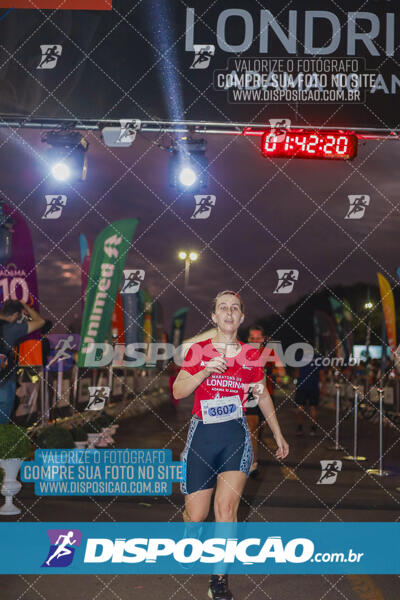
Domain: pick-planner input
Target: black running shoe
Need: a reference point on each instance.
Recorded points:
(313, 431)
(299, 430)
(218, 588)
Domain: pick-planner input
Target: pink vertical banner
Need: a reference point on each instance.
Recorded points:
(17, 262)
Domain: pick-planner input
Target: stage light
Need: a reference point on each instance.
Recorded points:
(67, 154)
(61, 171)
(187, 176)
(182, 255)
(193, 256)
(188, 166)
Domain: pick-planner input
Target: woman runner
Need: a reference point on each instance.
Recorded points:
(218, 449)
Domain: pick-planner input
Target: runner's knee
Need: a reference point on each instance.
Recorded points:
(225, 510)
(195, 515)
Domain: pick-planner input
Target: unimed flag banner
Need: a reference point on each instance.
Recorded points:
(108, 260)
(388, 311)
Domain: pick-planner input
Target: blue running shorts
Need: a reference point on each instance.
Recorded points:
(213, 448)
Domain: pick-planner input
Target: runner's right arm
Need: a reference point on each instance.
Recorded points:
(185, 384)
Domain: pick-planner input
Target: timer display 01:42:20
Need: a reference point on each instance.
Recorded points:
(333, 145)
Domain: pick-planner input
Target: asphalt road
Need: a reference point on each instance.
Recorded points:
(282, 492)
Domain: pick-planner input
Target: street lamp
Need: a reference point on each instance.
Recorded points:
(188, 257)
(368, 306)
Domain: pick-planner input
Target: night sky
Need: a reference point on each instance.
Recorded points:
(268, 216)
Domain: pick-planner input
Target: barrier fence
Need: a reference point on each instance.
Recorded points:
(43, 396)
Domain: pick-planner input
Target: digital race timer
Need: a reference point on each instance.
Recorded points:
(307, 144)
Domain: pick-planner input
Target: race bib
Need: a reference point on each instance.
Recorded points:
(219, 410)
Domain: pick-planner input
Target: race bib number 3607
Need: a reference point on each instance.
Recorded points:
(219, 410)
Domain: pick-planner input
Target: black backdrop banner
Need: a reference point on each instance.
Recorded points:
(319, 63)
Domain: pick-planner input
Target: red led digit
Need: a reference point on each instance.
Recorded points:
(327, 149)
(344, 142)
(300, 141)
(270, 142)
(311, 144)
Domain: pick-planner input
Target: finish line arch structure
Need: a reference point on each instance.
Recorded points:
(229, 68)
